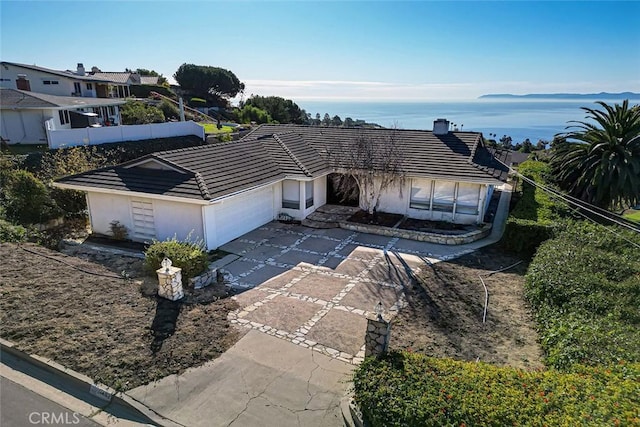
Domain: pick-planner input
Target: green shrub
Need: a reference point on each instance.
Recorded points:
(144, 91)
(25, 199)
(584, 286)
(138, 113)
(524, 236)
(189, 256)
(12, 233)
(405, 389)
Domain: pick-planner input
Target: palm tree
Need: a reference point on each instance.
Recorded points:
(600, 162)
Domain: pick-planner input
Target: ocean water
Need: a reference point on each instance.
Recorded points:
(520, 119)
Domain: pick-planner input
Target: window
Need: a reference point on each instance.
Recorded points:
(421, 194)
(468, 197)
(77, 91)
(50, 82)
(112, 111)
(290, 194)
(443, 193)
(89, 86)
(64, 117)
(308, 192)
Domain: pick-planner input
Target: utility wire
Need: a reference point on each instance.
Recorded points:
(579, 203)
(110, 276)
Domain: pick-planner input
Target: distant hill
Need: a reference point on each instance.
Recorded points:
(601, 95)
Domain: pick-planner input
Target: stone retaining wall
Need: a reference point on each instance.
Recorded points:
(421, 236)
(205, 279)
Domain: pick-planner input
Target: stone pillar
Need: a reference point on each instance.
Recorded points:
(377, 337)
(170, 281)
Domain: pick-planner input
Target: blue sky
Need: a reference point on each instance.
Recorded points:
(344, 50)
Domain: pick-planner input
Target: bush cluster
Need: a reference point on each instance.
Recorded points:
(10, 233)
(584, 286)
(406, 389)
(25, 199)
(188, 255)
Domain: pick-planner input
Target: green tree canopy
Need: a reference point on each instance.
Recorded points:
(600, 160)
(280, 109)
(208, 82)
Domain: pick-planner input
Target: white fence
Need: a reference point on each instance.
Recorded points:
(93, 136)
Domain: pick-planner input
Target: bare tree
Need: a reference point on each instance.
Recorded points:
(374, 161)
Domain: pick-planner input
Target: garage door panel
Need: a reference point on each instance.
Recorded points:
(242, 214)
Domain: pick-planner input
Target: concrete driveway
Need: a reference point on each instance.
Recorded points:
(315, 287)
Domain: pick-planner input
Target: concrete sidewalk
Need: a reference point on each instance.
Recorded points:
(260, 381)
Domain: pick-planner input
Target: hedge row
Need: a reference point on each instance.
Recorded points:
(584, 286)
(406, 389)
(535, 217)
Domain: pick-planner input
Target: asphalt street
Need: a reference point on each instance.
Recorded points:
(21, 407)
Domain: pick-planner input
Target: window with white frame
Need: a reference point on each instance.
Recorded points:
(421, 194)
(50, 82)
(290, 194)
(64, 117)
(443, 196)
(308, 194)
(89, 86)
(468, 198)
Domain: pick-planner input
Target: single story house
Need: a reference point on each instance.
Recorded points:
(123, 80)
(26, 116)
(38, 79)
(219, 192)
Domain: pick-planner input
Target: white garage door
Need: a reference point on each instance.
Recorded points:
(242, 214)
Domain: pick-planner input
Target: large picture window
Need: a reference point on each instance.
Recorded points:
(443, 195)
(420, 194)
(290, 194)
(468, 197)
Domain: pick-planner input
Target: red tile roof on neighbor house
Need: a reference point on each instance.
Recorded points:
(274, 152)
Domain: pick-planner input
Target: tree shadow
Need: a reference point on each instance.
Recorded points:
(164, 322)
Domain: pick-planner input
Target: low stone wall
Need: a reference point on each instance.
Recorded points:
(205, 279)
(421, 236)
(53, 223)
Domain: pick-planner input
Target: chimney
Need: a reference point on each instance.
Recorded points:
(80, 71)
(441, 127)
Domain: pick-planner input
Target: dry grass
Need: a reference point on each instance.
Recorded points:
(104, 327)
(444, 313)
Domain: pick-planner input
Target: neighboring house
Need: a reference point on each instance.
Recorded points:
(219, 192)
(33, 78)
(123, 80)
(25, 116)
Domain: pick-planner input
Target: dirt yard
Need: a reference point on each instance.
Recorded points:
(92, 319)
(443, 317)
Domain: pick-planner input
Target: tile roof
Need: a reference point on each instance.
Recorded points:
(273, 152)
(126, 77)
(63, 73)
(115, 77)
(14, 98)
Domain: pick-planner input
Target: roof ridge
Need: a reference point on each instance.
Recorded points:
(202, 185)
(290, 153)
(474, 148)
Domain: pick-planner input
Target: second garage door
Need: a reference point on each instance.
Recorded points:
(241, 214)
